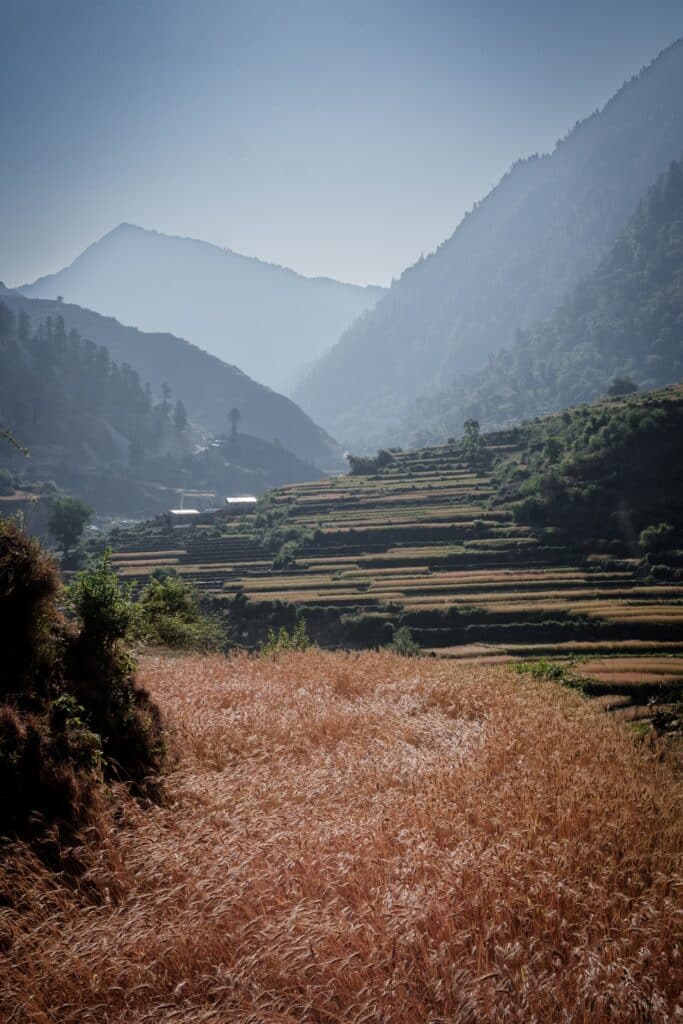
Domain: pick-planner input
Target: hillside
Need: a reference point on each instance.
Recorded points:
(625, 320)
(268, 320)
(515, 544)
(208, 387)
(93, 429)
(510, 262)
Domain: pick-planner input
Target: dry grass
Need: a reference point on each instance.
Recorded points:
(357, 838)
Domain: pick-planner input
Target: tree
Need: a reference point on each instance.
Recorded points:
(234, 417)
(473, 442)
(179, 417)
(67, 520)
(166, 400)
(622, 386)
(656, 538)
(6, 436)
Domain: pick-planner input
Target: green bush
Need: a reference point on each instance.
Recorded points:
(283, 640)
(364, 465)
(656, 538)
(403, 643)
(71, 714)
(168, 615)
(102, 603)
(286, 556)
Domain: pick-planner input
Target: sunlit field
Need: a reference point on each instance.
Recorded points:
(365, 838)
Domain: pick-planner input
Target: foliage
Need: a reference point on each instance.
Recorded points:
(403, 643)
(102, 602)
(6, 435)
(179, 416)
(543, 668)
(621, 386)
(59, 389)
(364, 465)
(67, 520)
(284, 640)
(508, 265)
(71, 713)
(654, 539)
(286, 556)
(168, 614)
(599, 471)
(473, 444)
(618, 330)
(234, 416)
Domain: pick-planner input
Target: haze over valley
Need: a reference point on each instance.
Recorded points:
(267, 320)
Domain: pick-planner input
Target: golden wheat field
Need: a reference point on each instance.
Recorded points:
(360, 837)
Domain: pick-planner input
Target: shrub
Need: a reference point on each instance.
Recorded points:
(621, 386)
(168, 614)
(403, 643)
(657, 538)
(363, 465)
(283, 640)
(286, 556)
(102, 603)
(71, 714)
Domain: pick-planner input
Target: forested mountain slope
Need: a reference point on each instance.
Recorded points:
(63, 392)
(267, 319)
(93, 429)
(623, 320)
(208, 387)
(509, 263)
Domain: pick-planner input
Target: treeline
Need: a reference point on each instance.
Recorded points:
(624, 320)
(612, 472)
(58, 389)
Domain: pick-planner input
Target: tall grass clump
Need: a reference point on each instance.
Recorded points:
(367, 838)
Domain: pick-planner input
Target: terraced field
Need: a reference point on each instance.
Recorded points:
(424, 543)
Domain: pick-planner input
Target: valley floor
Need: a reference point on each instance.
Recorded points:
(361, 837)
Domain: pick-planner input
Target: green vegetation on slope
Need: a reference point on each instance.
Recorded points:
(207, 386)
(510, 262)
(560, 537)
(94, 430)
(624, 320)
(60, 390)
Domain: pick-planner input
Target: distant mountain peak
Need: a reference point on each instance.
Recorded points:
(269, 320)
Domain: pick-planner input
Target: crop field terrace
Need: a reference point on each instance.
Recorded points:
(361, 837)
(423, 543)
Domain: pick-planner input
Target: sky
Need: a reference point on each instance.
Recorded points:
(342, 139)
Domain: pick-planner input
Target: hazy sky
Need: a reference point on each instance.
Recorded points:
(338, 138)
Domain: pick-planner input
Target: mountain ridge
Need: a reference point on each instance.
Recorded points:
(207, 386)
(624, 320)
(224, 249)
(509, 262)
(269, 320)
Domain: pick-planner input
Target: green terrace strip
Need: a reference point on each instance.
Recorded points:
(527, 549)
